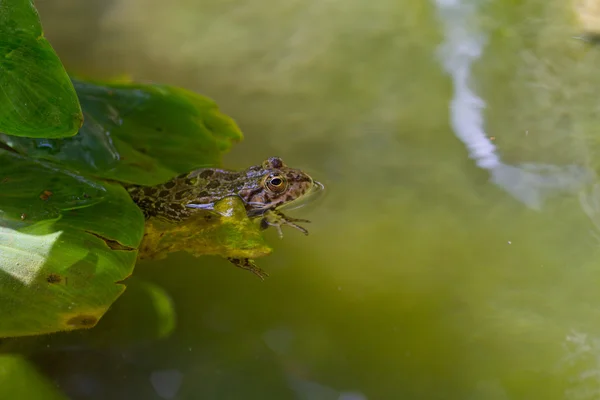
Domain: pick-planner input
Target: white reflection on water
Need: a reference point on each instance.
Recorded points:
(583, 354)
(464, 44)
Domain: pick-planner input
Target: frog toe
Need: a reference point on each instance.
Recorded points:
(249, 265)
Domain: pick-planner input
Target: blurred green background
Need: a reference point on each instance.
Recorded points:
(421, 279)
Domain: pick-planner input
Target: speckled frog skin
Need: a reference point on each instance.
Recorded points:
(263, 188)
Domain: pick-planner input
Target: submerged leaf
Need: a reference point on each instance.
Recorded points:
(21, 380)
(37, 98)
(227, 232)
(135, 133)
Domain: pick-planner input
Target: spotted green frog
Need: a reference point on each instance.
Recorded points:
(264, 189)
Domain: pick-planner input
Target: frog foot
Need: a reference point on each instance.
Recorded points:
(249, 265)
(278, 219)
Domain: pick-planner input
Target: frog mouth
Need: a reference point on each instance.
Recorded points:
(315, 193)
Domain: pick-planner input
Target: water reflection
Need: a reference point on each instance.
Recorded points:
(464, 44)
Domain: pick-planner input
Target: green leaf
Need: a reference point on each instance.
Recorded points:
(20, 380)
(37, 99)
(135, 133)
(65, 243)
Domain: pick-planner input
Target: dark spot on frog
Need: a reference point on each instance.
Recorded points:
(276, 162)
(207, 173)
(169, 185)
(179, 195)
(204, 193)
(253, 193)
(289, 197)
(53, 278)
(292, 177)
(230, 177)
(83, 321)
(164, 193)
(190, 182)
(172, 213)
(213, 185)
(149, 191)
(264, 224)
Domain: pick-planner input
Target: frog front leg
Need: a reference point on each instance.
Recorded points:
(277, 219)
(249, 265)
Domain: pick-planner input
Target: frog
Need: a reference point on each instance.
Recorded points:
(264, 189)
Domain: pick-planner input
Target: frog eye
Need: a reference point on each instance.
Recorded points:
(276, 183)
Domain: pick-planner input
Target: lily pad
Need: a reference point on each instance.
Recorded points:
(37, 98)
(65, 243)
(136, 133)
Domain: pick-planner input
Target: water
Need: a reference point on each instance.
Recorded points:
(455, 255)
